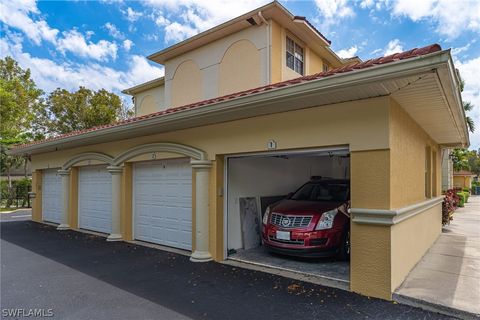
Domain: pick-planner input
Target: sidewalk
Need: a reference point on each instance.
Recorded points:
(448, 276)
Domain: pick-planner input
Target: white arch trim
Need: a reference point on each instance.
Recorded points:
(188, 151)
(88, 156)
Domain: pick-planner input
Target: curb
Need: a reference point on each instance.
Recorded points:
(430, 306)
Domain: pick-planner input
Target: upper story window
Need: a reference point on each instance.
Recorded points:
(325, 67)
(294, 56)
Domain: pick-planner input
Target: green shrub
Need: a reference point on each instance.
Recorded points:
(462, 196)
(466, 190)
(17, 195)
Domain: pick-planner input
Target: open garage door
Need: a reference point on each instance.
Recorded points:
(95, 199)
(308, 195)
(52, 196)
(163, 202)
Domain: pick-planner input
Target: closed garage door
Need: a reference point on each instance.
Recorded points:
(52, 196)
(163, 202)
(95, 199)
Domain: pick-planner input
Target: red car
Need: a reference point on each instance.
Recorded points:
(311, 222)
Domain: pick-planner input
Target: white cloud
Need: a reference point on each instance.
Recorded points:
(76, 43)
(113, 31)
(469, 71)
(49, 74)
(332, 12)
(334, 9)
(348, 53)
(17, 13)
(393, 46)
(127, 44)
(132, 15)
(175, 32)
(185, 18)
(452, 18)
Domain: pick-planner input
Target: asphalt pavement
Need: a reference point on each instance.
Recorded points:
(73, 275)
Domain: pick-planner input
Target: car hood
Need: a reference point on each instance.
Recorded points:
(301, 207)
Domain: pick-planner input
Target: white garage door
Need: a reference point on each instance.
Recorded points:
(95, 199)
(163, 202)
(52, 196)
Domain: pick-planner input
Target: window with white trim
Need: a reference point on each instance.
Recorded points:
(294, 56)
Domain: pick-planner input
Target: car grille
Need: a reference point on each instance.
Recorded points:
(299, 242)
(290, 222)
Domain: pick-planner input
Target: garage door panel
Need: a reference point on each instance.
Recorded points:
(52, 196)
(95, 199)
(163, 202)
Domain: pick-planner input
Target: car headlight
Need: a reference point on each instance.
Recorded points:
(326, 220)
(265, 216)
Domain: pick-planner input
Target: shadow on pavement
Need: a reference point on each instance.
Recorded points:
(198, 290)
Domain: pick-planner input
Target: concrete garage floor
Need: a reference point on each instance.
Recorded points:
(328, 271)
(448, 276)
(82, 276)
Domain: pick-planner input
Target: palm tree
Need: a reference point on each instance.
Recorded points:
(467, 106)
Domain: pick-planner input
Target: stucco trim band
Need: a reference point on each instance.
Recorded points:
(391, 217)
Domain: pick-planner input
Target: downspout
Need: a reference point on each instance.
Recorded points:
(269, 43)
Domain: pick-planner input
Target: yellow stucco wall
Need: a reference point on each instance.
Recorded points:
(187, 84)
(411, 239)
(462, 182)
(126, 198)
(146, 105)
(370, 265)
(73, 198)
(37, 201)
(276, 52)
(240, 68)
(407, 146)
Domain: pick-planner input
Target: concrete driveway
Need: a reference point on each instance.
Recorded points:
(448, 276)
(16, 215)
(79, 276)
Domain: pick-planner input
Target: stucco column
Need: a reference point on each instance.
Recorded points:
(202, 174)
(116, 233)
(65, 174)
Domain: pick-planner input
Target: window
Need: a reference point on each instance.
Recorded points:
(324, 66)
(428, 172)
(294, 56)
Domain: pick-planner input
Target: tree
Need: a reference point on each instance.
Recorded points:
(67, 111)
(19, 98)
(460, 159)
(467, 106)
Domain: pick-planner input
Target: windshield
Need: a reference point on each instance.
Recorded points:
(337, 192)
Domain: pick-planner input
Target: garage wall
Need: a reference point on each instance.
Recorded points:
(411, 238)
(272, 176)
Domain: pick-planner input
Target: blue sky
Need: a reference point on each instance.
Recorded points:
(103, 44)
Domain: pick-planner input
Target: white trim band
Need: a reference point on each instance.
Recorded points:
(391, 217)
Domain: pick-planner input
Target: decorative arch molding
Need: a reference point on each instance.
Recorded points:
(177, 148)
(88, 156)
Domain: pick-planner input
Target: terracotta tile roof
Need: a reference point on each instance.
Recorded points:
(350, 68)
(312, 26)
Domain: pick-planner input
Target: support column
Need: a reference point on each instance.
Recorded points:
(116, 233)
(65, 174)
(202, 174)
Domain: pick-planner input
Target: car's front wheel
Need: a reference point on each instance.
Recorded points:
(344, 252)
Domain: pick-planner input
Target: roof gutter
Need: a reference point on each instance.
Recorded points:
(285, 99)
